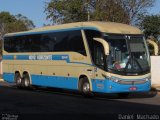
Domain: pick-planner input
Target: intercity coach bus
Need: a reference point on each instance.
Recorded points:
(91, 57)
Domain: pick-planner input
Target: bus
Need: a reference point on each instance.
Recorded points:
(91, 57)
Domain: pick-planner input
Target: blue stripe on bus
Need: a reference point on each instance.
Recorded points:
(54, 57)
(22, 57)
(102, 86)
(55, 81)
(8, 57)
(49, 31)
(9, 77)
(48, 81)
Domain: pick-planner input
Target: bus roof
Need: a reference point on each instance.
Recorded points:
(107, 27)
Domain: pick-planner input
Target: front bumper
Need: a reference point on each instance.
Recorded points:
(109, 86)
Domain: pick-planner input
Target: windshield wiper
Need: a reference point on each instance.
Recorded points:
(138, 64)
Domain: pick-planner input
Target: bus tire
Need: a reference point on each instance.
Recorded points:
(85, 87)
(123, 95)
(18, 80)
(26, 81)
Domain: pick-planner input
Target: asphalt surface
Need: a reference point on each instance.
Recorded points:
(53, 104)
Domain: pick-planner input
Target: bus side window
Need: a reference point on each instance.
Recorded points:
(60, 41)
(76, 43)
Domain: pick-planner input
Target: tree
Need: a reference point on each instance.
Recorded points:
(124, 11)
(27, 23)
(136, 8)
(150, 24)
(10, 23)
(110, 10)
(63, 11)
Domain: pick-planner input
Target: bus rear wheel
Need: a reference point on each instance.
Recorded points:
(26, 81)
(85, 87)
(18, 80)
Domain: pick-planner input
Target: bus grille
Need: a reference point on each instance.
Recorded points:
(133, 82)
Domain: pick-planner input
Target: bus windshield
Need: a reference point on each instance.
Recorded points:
(128, 55)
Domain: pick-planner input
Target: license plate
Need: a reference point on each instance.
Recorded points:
(133, 88)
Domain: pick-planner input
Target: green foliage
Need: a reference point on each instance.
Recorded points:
(10, 23)
(151, 25)
(65, 11)
(28, 24)
(110, 10)
(62, 11)
(123, 11)
(134, 8)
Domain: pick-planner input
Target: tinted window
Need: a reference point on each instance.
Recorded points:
(75, 43)
(61, 41)
(48, 42)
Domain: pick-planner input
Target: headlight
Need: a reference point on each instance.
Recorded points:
(114, 79)
(148, 78)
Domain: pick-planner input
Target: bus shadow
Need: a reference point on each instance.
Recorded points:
(140, 95)
(74, 93)
(98, 105)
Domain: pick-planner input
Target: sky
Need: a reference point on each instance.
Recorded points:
(34, 9)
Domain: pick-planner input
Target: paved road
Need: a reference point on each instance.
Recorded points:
(50, 103)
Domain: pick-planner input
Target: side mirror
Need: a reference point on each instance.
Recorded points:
(152, 43)
(104, 43)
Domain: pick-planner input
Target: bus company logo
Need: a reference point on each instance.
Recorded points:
(44, 57)
(40, 57)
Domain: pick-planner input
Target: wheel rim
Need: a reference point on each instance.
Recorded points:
(18, 80)
(26, 82)
(86, 87)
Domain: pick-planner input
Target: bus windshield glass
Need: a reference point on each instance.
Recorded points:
(128, 55)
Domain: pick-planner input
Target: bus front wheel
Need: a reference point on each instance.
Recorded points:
(85, 87)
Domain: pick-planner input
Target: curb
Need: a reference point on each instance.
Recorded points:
(158, 91)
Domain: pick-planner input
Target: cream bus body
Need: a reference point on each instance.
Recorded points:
(71, 69)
